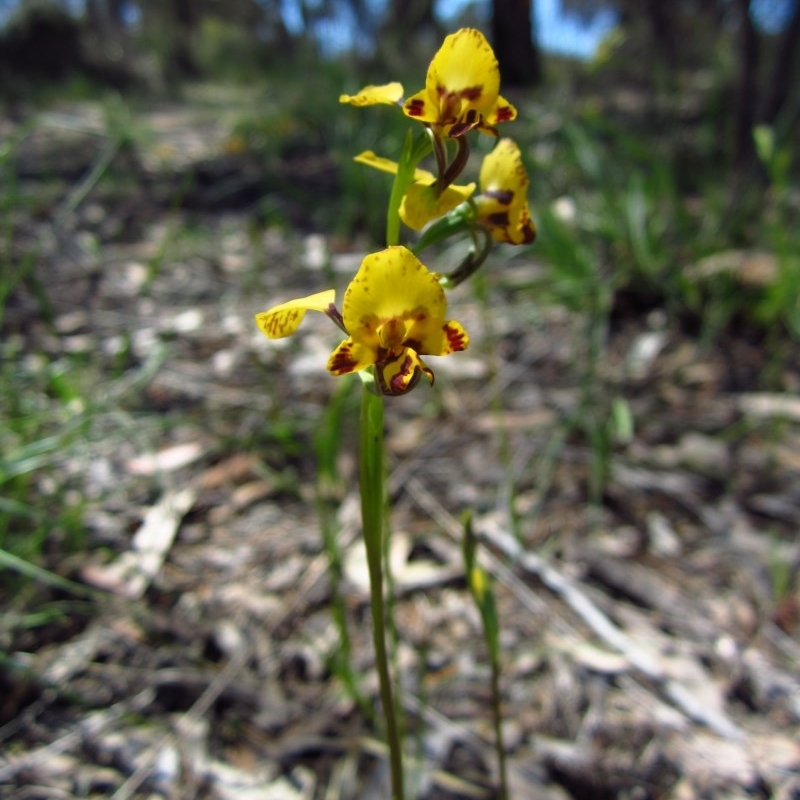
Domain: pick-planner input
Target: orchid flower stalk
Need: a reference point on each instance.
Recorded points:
(394, 311)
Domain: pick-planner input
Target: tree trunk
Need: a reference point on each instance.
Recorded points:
(410, 17)
(747, 89)
(104, 18)
(784, 70)
(518, 55)
(662, 23)
(185, 19)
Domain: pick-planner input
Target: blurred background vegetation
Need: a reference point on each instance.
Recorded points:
(686, 111)
(681, 117)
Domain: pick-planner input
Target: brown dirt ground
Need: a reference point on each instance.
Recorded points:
(645, 653)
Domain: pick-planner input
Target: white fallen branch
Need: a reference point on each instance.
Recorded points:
(134, 570)
(678, 694)
(682, 697)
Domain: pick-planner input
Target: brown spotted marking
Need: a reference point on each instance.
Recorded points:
(399, 384)
(455, 338)
(342, 361)
(275, 324)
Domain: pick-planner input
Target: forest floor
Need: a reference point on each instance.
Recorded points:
(649, 635)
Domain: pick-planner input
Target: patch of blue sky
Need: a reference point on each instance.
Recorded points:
(292, 17)
(772, 16)
(557, 30)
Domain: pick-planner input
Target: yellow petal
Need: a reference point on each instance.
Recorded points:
(283, 320)
(466, 66)
(455, 339)
(422, 107)
(391, 284)
(421, 204)
(502, 111)
(503, 170)
(389, 94)
(440, 339)
(385, 165)
(351, 356)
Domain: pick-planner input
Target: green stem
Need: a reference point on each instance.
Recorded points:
(327, 442)
(498, 730)
(371, 474)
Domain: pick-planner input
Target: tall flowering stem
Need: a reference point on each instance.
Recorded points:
(373, 518)
(413, 151)
(402, 180)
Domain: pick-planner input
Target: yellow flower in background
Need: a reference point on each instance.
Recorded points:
(422, 202)
(393, 312)
(502, 205)
(462, 88)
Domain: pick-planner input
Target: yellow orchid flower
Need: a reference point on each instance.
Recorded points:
(422, 202)
(461, 88)
(502, 205)
(393, 312)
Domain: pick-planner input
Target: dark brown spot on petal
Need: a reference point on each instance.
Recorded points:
(471, 92)
(504, 113)
(415, 108)
(460, 128)
(528, 232)
(499, 220)
(504, 196)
